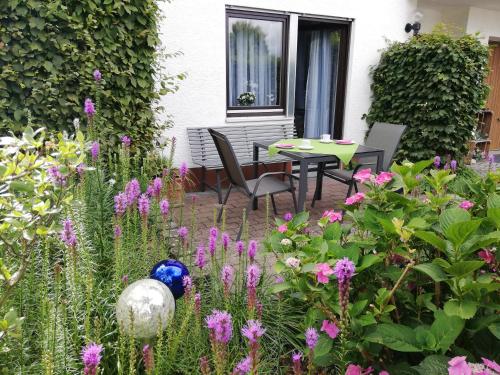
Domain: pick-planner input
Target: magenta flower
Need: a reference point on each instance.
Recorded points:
(323, 270)
(94, 150)
(344, 269)
(312, 337)
(143, 205)
(243, 367)
(88, 108)
(121, 204)
(240, 247)
(117, 231)
(383, 178)
(364, 175)
(183, 170)
(459, 366)
(253, 276)
(225, 240)
(126, 140)
(297, 363)
(282, 228)
(182, 232)
(200, 261)
(332, 216)
(214, 232)
(330, 328)
(91, 357)
(253, 330)
(157, 187)
(437, 161)
(187, 283)
(212, 245)
(252, 249)
(133, 190)
(453, 165)
(491, 364)
(227, 278)
(356, 198)
(125, 279)
(220, 325)
(164, 207)
(148, 358)
(68, 235)
(487, 256)
(466, 205)
(288, 216)
(80, 169)
(97, 75)
(358, 370)
(56, 176)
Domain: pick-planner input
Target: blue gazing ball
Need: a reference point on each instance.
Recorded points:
(170, 272)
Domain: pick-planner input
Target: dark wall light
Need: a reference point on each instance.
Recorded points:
(416, 25)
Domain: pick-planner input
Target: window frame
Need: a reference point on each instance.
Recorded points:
(277, 110)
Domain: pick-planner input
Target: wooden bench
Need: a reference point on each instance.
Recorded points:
(204, 153)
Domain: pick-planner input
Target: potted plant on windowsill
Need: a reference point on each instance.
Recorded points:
(246, 98)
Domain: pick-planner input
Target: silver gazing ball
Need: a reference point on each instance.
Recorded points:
(152, 305)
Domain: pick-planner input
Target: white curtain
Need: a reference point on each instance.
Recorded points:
(321, 83)
(253, 65)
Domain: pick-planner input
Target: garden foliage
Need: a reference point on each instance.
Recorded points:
(49, 49)
(435, 85)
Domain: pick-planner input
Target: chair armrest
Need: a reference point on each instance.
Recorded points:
(255, 162)
(361, 165)
(262, 176)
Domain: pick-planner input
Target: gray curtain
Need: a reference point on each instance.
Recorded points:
(252, 66)
(321, 83)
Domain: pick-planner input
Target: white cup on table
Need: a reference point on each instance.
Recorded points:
(325, 137)
(306, 142)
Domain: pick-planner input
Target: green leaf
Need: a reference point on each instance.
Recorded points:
(463, 309)
(281, 287)
(433, 365)
(433, 239)
(458, 233)
(352, 252)
(369, 260)
(493, 201)
(432, 270)
(494, 328)
(463, 268)
(446, 329)
(395, 336)
(451, 216)
(494, 215)
(333, 232)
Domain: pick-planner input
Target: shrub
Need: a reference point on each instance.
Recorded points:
(435, 85)
(48, 51)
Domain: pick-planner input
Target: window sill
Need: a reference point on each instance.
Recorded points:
(260, 119)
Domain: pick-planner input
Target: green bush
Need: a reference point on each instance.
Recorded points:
(434, 84)
(49, 49)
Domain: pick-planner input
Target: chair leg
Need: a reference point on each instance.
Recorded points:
(294, 198)
(355, 187)
(319, 184)
(349, 191)
(218, 185)
(223, 203)
(274, 205)
(249, 206)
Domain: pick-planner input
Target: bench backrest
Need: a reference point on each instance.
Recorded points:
(204, 152)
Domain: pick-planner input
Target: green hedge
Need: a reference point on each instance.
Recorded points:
(49, 49)
(434, 84)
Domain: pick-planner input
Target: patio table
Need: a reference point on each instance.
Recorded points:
(306, 158)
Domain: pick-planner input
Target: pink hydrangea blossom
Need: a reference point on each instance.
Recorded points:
(383, 178)
(288, 216)
(323, 270)
(282, 228)
(356, 198)
(292, 262)
(358, 370)
(330, 328)
(364, 175)
(459, 366)
(466, 205)
(332, 216)
(491, 364)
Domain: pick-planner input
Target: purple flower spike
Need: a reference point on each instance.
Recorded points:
(182, 232)
(253, 276)
(253, 331)
(227, 278)
(121, 204)
(240, 247)
(89, 108)
(214, 232)
(91, 357)
(312, 337)
(126, 140)
(344, 269)
(220, 325)
(212, 245)
(252, 249)
(243, 367)
(183, 170)
(200, 260)
(453, 165)
(56, 176)
(164, 207)
(148, 358)
(97, 75)
(437, 161)
(225, 240)
(94, 150)
(133, 190)
(117, 231)
(157, 187)
(80, 169)
(143, 205)
(68, 235)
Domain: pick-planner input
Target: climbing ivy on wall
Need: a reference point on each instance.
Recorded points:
(435, 85)
(49, 49)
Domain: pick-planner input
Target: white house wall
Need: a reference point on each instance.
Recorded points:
(197, 29)
(486, 22)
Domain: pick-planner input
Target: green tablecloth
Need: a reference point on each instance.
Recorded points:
(343, 152)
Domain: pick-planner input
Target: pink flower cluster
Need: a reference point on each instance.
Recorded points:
(323, 270)
(332, 216)
(354, 199)
(466, 205)
(459, 366)
(365, 176)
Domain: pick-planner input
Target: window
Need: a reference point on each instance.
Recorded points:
(256, 63)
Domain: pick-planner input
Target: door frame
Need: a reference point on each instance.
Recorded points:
(493, 44)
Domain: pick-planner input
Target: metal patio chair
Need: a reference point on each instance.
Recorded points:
(254, 188)
(382, 136)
